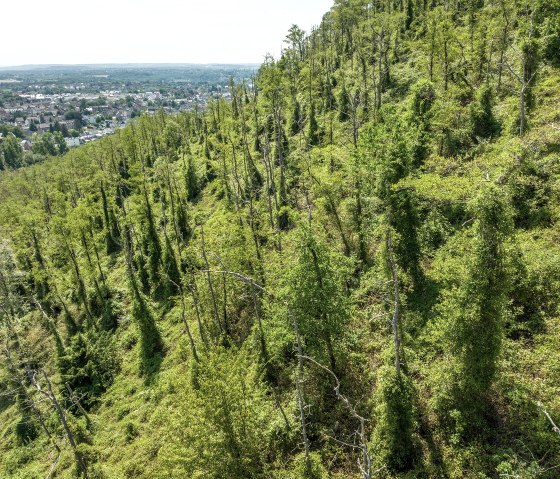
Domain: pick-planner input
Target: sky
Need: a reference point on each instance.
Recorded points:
(150, 31)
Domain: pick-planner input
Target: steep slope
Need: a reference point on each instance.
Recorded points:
(352, 269)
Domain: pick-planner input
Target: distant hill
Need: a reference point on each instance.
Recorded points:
(120, 66)
(211, 74)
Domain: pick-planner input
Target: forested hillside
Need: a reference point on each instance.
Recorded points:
(351, 270)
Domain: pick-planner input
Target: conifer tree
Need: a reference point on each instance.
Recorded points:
(392, 162)
(330, 101)
(484, 124)
(191, 179)
(296, 121)
(151, 245)
(316, 297)
(477, 329)
(343, 104)
(111, 228)
(313, 131)
(183, 225)
(409, 14)
(151, 343)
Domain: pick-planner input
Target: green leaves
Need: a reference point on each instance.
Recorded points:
(314, 290)
(89, 365)
(388, 121)
(224, 426)
(474, 312)
(11, 153)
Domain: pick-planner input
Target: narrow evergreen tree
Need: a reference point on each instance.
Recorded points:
(392, 160)
(330, 101)
(185, 230)
(313, 131)
(392, 435)
(343, 105)
(255, 179)
(152, 246)
(296, 121)
(88, 366)
(409, 14)
(191, 179)
(484, 124)
(315, 294)
(479, 310)
(151, 343)
(112, 245)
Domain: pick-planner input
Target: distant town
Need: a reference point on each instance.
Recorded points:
(85, 103)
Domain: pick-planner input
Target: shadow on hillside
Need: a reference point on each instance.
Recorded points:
(421, 303)
(5, 403)
(434, 451)
(150, 367)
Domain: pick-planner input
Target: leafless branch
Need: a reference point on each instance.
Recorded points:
(239, 276)
(364, 464)
(555, 428)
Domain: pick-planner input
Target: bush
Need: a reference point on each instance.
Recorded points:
(89, 365)
(310, 469)
(26, 430)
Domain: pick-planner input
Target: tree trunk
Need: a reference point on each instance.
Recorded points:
(395, 323)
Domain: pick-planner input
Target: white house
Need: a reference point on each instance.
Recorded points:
(26, 145)
(71, 142)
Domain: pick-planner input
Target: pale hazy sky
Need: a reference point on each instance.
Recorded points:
(150, 31)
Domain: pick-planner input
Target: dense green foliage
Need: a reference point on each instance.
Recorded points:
(351, 269)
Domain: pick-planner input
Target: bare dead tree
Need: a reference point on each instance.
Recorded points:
(555, 428)
(49, 394)
(209, 280)
(76, 401)
(201, 329)
(53, 466)
(300, 380)
(254, 287)
(18, 377)
(525, 82)
(364, 462)
(527, 72)
(395, 322)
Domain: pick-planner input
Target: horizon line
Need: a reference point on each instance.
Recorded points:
(128, 63)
